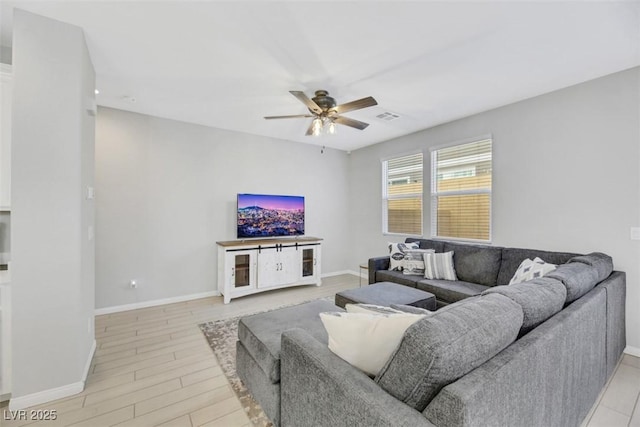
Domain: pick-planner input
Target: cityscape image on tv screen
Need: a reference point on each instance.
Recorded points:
(264, 215)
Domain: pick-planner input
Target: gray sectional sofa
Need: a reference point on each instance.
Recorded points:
(533, 354)
(478, 267)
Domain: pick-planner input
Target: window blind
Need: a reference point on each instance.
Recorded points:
(461, 191)
(402, 194)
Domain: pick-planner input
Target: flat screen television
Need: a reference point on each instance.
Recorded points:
(269, 215)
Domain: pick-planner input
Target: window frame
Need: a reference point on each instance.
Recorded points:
(434, 194)
(385, 196)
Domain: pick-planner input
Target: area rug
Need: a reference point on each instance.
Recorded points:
(222, 336)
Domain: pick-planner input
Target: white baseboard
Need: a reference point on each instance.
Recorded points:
(87, 364)
(633, 351)
(338, 273)
(172, 300)
(153, 303)
(45, 396)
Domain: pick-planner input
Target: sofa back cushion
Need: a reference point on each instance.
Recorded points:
(577, 277)
(441, 348)
(436, 245)
(475, 263)
(601, 262)
(512, 257)
(539, 298)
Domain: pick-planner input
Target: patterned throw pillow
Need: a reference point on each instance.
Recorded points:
(414, 261)
(411, 309)
(371, 309)
(396, 254)
(439, 266)
(529, 270)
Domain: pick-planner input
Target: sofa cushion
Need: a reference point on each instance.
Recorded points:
(601, 262)
(450, 291)
(261, 333)
(398, 277)
(512, 257)
(436, 245)
(539, 298)
(476, 264)
(443, 347)
(577, 277)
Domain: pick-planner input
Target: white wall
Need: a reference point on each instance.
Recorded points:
(566, 176)
(52, 258)
(166, 192)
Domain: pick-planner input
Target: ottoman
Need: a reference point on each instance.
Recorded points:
(387, 293)
(258, 348)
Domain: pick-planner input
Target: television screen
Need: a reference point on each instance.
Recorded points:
(264, 215)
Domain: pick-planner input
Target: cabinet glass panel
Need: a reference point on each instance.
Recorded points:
(241, 271)
(308, 261)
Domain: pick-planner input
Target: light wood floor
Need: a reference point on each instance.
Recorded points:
(153, 367)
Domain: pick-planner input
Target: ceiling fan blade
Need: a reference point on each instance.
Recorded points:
(306, 101)
(310, 130)
(356, 105)
(295, 116)
(351, 122)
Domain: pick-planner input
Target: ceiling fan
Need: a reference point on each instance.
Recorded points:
(324, 111)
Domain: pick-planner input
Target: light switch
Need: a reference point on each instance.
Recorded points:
(90, 193)
(635, 233)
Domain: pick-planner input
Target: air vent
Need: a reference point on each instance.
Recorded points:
(388, 116)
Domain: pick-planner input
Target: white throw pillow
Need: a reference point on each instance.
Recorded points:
(414, 261)
(531, 269)
(366, 341)
(396, 254)
(439, 266)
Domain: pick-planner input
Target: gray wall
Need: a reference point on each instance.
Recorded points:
(166, 192)
(52, 257)
(566, 176)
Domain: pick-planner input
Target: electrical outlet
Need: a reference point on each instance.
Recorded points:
(635, 233)
(133, 284)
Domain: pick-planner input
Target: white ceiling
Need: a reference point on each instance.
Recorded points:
(227, 65)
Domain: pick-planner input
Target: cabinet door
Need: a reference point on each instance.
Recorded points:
(241, 270)
(310, 262)
(277, 267)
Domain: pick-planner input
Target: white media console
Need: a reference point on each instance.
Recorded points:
(246, 267)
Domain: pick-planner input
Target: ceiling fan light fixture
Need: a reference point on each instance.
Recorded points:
(317, 126)
(332, 128)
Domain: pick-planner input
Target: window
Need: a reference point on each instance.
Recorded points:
(461, 191)
(402, 195)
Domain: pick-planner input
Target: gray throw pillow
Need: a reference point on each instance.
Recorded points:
(441, 348)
